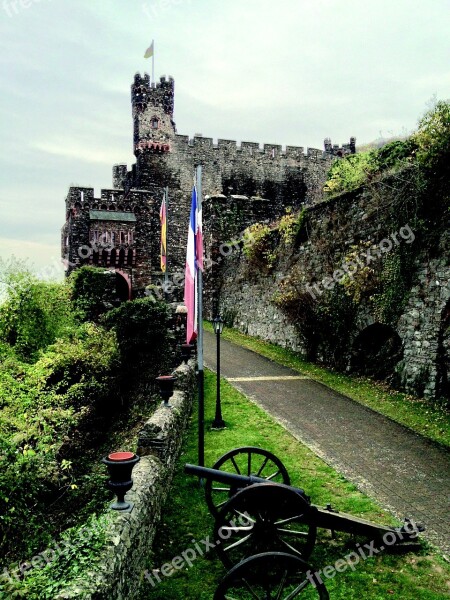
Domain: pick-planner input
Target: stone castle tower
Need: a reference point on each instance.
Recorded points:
(241, 184)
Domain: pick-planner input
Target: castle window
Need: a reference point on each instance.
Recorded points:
(154, 123)
(122, 237)
(121, 257)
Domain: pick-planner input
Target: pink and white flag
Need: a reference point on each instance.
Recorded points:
(194, 262)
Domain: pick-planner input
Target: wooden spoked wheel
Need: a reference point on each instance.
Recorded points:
(247, 460)
(271, 575)
(264, 518)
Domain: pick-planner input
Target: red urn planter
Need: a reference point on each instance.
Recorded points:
(120, 465)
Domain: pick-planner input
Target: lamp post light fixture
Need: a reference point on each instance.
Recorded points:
(218, 422)
(166, 383)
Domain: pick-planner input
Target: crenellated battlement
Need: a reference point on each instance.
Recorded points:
(159, 94)
(249, 148)
(244, 183)
(80, 200)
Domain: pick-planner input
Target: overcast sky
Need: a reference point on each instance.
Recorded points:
(287, 72)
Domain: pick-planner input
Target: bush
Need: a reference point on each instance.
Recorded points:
(93, 292)
(351, 172)
(34, 314)
(259, 246)
(142, 328)
(45, 407)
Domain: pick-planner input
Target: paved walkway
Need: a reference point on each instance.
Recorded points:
(403, 471)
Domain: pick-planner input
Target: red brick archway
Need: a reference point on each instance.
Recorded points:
(123, 285)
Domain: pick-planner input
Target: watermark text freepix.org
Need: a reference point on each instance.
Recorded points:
(363, 552)
(13, 7)
(187, 557)
(349, 268)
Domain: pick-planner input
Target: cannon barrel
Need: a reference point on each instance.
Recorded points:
(233, 479)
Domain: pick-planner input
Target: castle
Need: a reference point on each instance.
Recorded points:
(120, 230)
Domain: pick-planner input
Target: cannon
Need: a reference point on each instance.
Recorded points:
(260, 519)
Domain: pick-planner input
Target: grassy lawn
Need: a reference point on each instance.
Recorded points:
(421, 574)
(419, 415)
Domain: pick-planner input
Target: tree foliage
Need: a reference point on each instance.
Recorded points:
(428, 148)
(34, 313)
(93, 292)
(60, 397)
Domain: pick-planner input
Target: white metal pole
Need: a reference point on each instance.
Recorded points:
(201, 376)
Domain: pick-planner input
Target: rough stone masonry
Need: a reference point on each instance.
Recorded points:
(120, 229)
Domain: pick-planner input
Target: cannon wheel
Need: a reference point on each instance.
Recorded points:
(247, 460)
(264, 517)
(276, 575)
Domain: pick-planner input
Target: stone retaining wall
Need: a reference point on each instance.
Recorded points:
(246, 293)
(118, 573)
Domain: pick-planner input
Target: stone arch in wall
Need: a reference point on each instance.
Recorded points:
(123, 286)
(376, 351)
(443, 355)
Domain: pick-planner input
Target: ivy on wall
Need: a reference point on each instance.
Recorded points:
(264, 243)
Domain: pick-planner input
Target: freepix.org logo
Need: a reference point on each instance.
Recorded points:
(15, 7)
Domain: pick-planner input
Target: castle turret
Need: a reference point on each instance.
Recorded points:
(120, 176)
(152, 108)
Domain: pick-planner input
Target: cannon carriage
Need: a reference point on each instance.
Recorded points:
(266, 529)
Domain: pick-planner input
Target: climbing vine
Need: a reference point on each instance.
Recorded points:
(362, 279)
(290, 225)
(259, 247)
(393, 288)
(262, 241)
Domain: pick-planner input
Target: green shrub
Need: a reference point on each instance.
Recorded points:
(143, 335)
(351, 172)
(45, 406)
(259, 246)
(93, 291)
(34, 314)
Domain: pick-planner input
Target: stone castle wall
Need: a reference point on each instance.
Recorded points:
(331, 230)
(283, 177)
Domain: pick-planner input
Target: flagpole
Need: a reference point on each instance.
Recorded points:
(166, 274)
(153, 62)
(201, 375)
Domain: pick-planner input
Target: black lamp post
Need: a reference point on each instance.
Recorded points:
(218, 422)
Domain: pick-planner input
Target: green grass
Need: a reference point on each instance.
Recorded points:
(419, 415)
(409, 576)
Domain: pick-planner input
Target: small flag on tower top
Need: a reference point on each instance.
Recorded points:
(150, 50)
